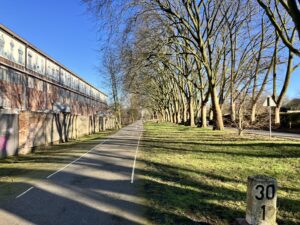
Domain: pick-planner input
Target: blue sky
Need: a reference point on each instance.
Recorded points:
(294, 88)
(60, 28)
(65, 31)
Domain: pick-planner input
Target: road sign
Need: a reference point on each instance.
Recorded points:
(269, 102)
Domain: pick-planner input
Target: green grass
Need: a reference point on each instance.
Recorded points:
(17, 173)
(198, 176)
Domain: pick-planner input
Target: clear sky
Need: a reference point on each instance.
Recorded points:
(294, 88)
(60, 28)
(65, 31)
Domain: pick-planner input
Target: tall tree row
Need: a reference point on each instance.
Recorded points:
(191, 61)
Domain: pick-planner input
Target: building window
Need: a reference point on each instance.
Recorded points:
(29, 61)
(13, 77)
(3, 74)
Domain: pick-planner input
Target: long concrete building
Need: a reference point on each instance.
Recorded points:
(42, 101)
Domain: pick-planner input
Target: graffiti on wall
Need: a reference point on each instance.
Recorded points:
(12, 49)
(35, 61)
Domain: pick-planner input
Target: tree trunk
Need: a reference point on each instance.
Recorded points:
(232, 109)
(171, 110)
(211, 114)
(163, 113)
(191, 111)
(178, 112)
(253, 113)
(285, 86)
(219, 125)
(184, 113)
(277, 115)
(241, 119)
(167, 116)
(203, 116)
(119, 118)
(175, 112)
(221, 106)
(174, 117)
(170, 115)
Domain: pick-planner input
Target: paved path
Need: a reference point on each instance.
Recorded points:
(274, 134)
(267, 133)
(94, 189)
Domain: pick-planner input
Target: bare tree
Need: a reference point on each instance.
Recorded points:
(179, 56)
(276, 11)
(112, 68)
(290, 68)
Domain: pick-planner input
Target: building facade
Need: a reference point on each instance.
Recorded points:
(41, 101)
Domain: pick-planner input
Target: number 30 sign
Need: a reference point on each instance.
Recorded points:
(265, 193)
(261, 200)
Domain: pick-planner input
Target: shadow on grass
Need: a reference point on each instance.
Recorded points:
(40, 206)
(236, 149)
(184, 195)
(203, 203)
(174, 197)
(170, 188)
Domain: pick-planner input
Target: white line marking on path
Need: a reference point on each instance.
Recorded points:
(134, 162)
(61, 169)
(79, 159)
(24, 192)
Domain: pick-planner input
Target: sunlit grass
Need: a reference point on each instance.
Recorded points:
(198, 176)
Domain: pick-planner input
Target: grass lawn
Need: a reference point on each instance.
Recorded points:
(198, 176)
(17, 173)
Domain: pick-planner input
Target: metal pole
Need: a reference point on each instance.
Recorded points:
(270, 121)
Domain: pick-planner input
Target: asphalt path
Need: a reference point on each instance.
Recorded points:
(267, 133)
(97, 188)
(274, 134)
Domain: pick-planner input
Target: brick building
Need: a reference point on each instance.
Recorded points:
(41, 101)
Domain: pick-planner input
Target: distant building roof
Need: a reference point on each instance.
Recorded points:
(294, 104)
(14, 35)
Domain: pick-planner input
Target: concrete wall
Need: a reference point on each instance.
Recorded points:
(110, 123)
(37, 129)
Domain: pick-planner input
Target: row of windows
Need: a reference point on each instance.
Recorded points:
(39, 64)
(15, 51)
(11, 76)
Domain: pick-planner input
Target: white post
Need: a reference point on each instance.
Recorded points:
(261, 201)
(270, 122)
